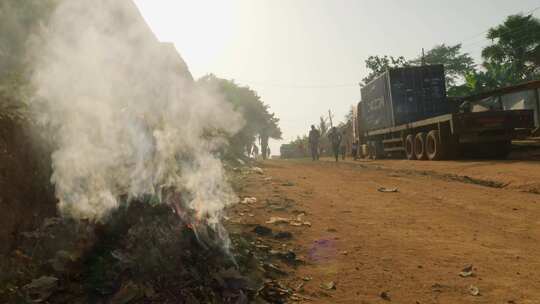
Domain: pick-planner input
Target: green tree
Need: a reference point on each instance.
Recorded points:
(516, 42)
(379, 64)
(492, 76)
(260, 124)
(457, 64)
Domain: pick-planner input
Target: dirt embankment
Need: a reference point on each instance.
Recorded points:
(26, 195)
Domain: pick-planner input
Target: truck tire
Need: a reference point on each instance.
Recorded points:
(435, 149)
(409, 147)
(420, 146)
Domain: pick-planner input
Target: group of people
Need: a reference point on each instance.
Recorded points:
(336, 140)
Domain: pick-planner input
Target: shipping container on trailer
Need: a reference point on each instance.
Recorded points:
(403, 95)
(406, 111)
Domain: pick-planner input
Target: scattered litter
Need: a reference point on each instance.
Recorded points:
(288, 184)
(329, 285)
(41, 289)
(62, 261)
(297, 222)
(387, 190)
(278, 220)
(51, 221)
(474, 291)
(344, 252)
(385, 295)
(273, 268)
(268, 179)
(262, 230)
(288, 257)
(128, 292)
(467, 272)
(249, 200)
(307, 279)
(263, 247)
(299, 297)
(257, 170)
(241, 162)
(437, 287)
(275, 292)
(283, 235)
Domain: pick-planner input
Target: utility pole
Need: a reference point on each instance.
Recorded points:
(423, 57)
(330, 117)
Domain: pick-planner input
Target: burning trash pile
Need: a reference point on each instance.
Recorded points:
(143, 254)
(137, 172)
(149, 252)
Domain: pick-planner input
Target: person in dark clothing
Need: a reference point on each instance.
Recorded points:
(335, 138)
(355, 150)
(314, 137)
(343, 148)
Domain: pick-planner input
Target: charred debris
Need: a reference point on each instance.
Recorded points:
(146, 252)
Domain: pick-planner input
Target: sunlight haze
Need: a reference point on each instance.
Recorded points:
(304, 56)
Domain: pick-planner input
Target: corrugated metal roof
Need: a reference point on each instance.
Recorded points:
(502, 91)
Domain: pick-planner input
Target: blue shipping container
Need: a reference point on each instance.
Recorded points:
(404, 95)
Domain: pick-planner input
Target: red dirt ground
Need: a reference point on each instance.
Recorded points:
(411, 244)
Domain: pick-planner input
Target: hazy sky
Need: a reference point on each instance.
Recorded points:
(305, 57)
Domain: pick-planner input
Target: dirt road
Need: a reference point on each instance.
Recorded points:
(409, 246)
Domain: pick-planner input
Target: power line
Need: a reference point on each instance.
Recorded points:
(298, 86)
(351, 85)
(526, 37)
(530, 12)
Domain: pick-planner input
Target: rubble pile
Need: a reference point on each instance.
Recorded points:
(147, 252)
(142, 254)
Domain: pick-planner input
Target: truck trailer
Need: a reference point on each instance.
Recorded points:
(406, 112)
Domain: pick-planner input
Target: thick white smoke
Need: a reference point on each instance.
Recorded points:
(125, 114)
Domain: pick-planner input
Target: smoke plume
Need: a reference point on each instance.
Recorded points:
(125, 114)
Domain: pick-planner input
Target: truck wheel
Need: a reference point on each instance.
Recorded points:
(435, 149)
(409, 147)
(420, 146)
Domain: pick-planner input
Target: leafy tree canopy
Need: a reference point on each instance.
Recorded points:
(456, 63)
(516, 42)
(379, 64)
(259, 121)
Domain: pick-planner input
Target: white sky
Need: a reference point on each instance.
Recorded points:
(304, 57)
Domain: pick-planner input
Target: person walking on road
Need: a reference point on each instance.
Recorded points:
(335, 138)
(314, 136)
(343, 148)
(355, 150)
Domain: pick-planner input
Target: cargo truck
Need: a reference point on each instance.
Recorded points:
(405, 111)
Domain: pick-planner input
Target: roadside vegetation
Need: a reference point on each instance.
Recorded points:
(512, 58)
